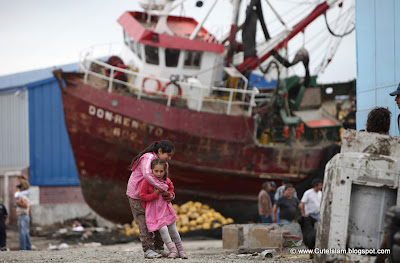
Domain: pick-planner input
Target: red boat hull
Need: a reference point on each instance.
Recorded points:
(216, 159)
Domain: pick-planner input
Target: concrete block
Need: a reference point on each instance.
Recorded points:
(230, 237)
(359, 187)
(374, 143)
(254, 236)
(259, 237)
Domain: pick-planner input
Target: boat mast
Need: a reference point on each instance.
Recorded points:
(253, 62)
(232, 34)
(200, 25)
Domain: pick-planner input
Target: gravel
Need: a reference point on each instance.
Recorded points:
(197, 250)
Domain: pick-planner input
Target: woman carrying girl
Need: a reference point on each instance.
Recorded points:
(152, 243)
(160, 214)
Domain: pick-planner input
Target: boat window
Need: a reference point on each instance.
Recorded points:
(126, 38)
(133, 46)
(171, 57)
(129, 42)
(139, 50)
(151, 55)
(192, 59)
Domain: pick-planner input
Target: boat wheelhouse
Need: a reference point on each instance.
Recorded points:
(166, 48)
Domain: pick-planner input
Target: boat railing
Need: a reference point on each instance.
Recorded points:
(100, 51)
(248, 96)
(261, 97)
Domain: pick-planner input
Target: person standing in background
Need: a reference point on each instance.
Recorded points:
(23, 205)
(287, 205)
(265, 204)
(24, 182)
(379, 120)
(272, 192)
(311, 200)
(279, 193)
(281, 189)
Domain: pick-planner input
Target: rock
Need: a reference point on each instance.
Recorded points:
(52, 247)
(63, 246)
(78, 228)
(62, 230)
(93, 244)
(269, 253)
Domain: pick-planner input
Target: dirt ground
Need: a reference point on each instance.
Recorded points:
(197, 250)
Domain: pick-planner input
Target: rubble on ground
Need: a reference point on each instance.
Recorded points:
(255, 238)
(82, 230)
(194, 219)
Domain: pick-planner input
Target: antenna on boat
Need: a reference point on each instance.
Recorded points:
(162, 8)
(234, 29)
(277, 15)
(162, 26)
(151, 5)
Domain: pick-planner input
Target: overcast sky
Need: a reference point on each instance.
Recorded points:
(44, 33)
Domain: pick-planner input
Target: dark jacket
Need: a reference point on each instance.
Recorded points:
(398, 122)
(3, 212)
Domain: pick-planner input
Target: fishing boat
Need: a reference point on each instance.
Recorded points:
(172, 79)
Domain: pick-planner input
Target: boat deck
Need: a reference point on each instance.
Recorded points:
(217, 106)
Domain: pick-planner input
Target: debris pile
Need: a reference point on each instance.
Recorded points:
(80, 231)
(191, 216)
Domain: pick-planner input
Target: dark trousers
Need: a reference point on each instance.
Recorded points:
(3, 235)
(150, 240)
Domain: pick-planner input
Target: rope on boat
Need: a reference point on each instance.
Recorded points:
(335, 34)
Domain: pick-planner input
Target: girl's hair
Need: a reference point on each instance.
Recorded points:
(165, 146)
(378, 120)
(161, 162)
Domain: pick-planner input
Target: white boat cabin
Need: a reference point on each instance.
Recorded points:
(170, 58)
(169, 54)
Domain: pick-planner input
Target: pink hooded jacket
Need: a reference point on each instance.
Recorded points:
(141, 169)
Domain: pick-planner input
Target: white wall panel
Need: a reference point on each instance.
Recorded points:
(14, 129)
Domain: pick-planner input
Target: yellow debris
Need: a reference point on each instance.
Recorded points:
(191, 216)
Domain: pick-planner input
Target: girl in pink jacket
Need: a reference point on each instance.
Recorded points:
(160, 214)
(152, 243)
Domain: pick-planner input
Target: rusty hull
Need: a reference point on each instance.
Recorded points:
(216, 159)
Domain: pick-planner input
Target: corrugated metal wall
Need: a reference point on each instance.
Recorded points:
(51, 158)
(22, 78)
(378, 57)
(14, 131)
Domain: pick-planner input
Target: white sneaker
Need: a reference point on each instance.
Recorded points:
(151, 254)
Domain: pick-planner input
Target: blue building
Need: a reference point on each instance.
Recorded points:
(34, 142)
(378, 58)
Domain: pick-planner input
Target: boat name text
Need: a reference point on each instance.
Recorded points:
(124, 121)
